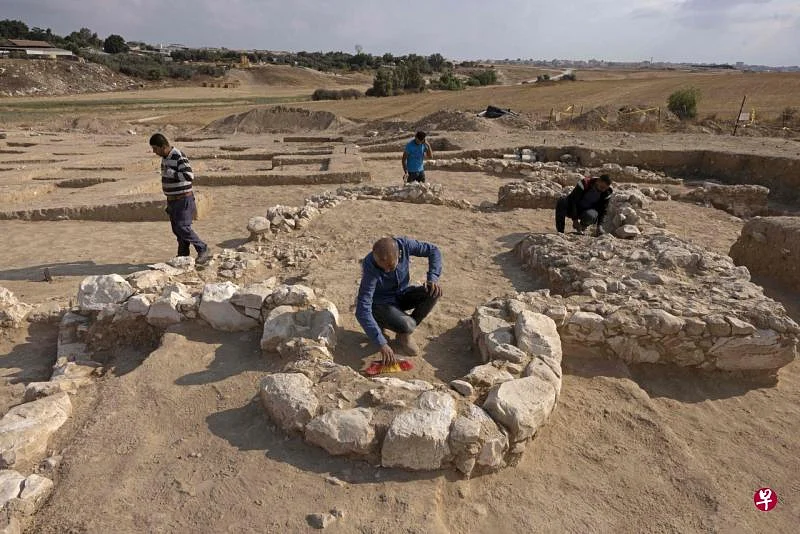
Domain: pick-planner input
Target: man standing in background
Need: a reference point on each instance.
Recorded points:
(414, 159)
(176, 182)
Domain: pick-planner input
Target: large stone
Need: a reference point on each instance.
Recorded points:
(36, 489)
(537, 334)
(216, 309)
(253, 296)
(286, 322)
(10, 486)
(258, 226)
(521, 405)
(417, 439)
(26, 429)
(487, 375)
(763, 350)
(139, 304)
(12, 311)
(98, 292)
(150, 281)
(343, 431)
(163, 312)
(289, 400)
(286, 295)
(475, 439)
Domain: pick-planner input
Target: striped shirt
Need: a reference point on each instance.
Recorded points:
(176, 174)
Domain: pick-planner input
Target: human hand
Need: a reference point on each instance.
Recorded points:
(387, 355)
(434, 289)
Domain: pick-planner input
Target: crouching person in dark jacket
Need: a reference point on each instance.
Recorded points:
(586, 205)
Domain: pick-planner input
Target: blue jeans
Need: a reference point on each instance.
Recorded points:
(396, 319)
(180, 213)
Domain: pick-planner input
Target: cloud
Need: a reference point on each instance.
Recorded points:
(762, 31)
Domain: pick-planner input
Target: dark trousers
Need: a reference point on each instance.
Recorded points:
(416, 177)
(180, 213)
(396, 319)
(587, 217)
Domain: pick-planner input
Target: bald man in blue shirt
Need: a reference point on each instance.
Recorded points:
(385, 296)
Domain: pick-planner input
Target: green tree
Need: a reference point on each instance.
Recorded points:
(13, 29)
(437, 62)
(114, 44)
(683, 102)
(383, 84)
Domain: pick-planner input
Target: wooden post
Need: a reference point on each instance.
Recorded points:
(736, 123)
(571, 114)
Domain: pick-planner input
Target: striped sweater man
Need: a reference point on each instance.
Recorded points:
(176, 174)
(176, 182)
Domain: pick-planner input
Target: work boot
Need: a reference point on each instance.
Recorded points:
(203, 258)
(407, 344)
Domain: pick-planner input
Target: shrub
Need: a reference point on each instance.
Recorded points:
(482, 77)
(683, 102)
(449, 82)
(334, 94)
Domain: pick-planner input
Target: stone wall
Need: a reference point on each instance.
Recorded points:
(739, 200)
(657, 299)
(770, 248)
(118, 209)
(532, 195)
(779, 174)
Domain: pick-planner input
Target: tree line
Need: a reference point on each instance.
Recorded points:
(393, 74)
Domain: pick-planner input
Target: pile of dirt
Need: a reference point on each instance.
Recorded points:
(594, 119)
(25, 77)
(276, 120)
(452, 121)
(93, 125)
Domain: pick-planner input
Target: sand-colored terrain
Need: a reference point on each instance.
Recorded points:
(176, 440)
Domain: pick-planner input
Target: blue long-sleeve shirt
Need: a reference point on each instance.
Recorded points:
(380, 287)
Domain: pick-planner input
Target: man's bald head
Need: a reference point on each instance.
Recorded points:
(386, 253)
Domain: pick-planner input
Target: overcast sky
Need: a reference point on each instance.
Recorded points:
(753, 31)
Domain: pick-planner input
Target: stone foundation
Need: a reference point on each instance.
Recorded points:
(770, 248)
(657, 299)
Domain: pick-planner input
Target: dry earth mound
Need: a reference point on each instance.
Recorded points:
(93, 125)
(20, 77)
(454, 121)
(276, 119)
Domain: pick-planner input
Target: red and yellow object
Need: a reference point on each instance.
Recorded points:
(378, 368)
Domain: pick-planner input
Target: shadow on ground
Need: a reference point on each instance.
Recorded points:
(688, 385)
(77, 268)
(247, 428)
(235, 353)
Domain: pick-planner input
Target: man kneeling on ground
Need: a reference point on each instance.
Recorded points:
(586, 205)
(384, 295)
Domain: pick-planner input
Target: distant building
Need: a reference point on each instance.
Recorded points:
(31, 49)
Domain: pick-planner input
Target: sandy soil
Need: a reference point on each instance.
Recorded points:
(173, 441)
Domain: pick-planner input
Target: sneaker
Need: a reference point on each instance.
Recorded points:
(203, 258)
(407, 344)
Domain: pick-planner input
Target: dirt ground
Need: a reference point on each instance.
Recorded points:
(175, 441)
